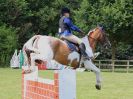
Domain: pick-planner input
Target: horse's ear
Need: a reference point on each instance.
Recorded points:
(100, 26)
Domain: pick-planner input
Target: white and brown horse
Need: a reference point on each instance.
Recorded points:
(47, 48)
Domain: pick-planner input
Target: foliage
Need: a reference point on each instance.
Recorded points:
(124, 51)
(32, 17)
(115, 15)
(8, 42)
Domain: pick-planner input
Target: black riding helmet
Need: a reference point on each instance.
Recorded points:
(65, 10)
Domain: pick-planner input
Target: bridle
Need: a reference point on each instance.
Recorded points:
(92, 38)
(103, 39)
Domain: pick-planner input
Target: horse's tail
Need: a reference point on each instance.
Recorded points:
(28, 47)
(26, 61)
(29, 44)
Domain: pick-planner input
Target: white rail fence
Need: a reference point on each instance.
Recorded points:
(115, 64)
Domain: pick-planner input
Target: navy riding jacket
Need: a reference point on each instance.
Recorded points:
(71, 27)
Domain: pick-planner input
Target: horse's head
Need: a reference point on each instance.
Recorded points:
(99, 35)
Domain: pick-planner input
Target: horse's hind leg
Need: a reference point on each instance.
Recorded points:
(89, 65)
(41, 57)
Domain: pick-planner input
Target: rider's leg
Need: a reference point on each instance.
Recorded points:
(72, 38)
(83, 51)
(76, 40)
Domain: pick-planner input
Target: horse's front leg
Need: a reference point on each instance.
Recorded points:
(89, 65)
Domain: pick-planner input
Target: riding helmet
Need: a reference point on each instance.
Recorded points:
(65, 10)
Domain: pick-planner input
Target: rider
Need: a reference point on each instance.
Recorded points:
(65, 31)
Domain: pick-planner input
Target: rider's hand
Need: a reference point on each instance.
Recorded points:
(82, 32)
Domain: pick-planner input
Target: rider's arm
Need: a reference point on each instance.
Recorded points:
(68, 22)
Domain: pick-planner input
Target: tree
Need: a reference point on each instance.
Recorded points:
(115, 15)
(8, 42)
(25, 18)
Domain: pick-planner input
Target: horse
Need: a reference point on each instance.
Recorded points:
(47, 48)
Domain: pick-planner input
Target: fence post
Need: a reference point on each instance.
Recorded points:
(113, 65)
(127, 66)
(99, 64)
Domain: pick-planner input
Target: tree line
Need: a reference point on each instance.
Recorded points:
(21, 19)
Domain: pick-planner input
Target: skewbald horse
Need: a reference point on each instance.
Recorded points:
(46, 48)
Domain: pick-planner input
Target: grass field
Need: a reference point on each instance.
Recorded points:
(114, 86)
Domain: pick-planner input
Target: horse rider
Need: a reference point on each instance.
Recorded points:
(65, 31)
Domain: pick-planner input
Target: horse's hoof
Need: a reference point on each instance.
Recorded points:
(98, 87)
(26, 71)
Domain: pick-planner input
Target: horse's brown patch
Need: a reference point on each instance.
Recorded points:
(61, 52)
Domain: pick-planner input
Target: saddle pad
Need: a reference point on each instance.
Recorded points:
(71, 46)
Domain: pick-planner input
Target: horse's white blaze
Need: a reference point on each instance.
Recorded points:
(73, 56)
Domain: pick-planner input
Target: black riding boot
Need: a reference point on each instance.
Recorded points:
(82, 50)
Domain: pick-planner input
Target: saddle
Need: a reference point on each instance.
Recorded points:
(81, 49)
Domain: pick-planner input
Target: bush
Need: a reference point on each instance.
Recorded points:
(8, 42)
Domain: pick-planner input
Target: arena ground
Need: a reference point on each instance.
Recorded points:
(114, 86)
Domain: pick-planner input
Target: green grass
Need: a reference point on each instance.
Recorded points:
(10, 83)
(114, 86)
